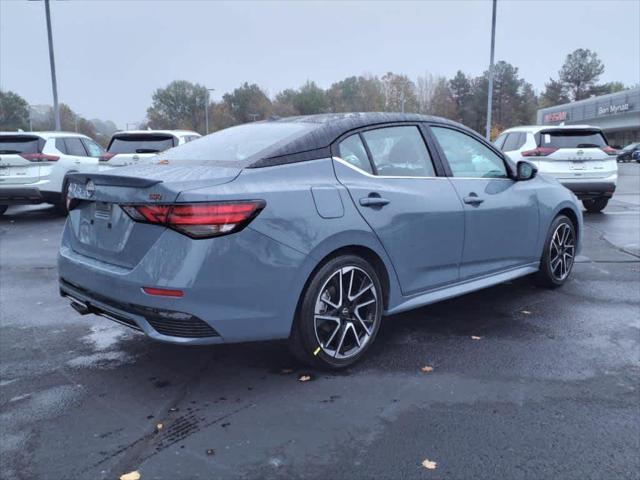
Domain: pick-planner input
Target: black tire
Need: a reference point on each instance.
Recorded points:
(61, 206)
(595, 205)
(3, 208)
(548, 275)
(308, 331)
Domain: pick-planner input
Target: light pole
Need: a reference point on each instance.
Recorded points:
(490, 93)
(206, 111)
(56, 108)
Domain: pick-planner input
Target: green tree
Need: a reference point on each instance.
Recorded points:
(356, 94)
(283, 105)
(460, 88)
(180, 105)
(443, 104)
(310, 99)
(14, 111)
(581, 70)
(399, 93)
(610, 87)
(555, 93)
(248, 103)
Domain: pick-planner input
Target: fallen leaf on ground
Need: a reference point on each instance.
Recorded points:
(526, 312)
(429, 465)
(427, 369)
(475, 337)
(159, 427)
(130, 476)
(304, 378)
(210, 451)
(286, 370)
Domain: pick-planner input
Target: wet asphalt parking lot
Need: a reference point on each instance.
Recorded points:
(526, 383)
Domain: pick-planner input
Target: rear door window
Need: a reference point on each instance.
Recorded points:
(93, 148)
(571, 139)
(16, 144)
(399, 152)
(514, 141)
(141, 143)
(499, 142)
(75, 147)
(352, 150)
(60, 146)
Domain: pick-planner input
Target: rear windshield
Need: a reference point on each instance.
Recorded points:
(240, 145)
(141, 143)
(572, 139)
(20, 144)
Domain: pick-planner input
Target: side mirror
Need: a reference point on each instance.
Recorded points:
(526, 170)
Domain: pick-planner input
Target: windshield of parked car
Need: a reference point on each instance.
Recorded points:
(15, 144)
(240, 145)
(631, 146)
(141, 143)
(572, 139)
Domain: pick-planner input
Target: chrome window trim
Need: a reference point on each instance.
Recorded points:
(367, 174)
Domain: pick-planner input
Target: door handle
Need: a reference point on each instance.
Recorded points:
(472, 200)
(373, 202)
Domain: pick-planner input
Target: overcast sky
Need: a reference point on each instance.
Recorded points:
(112, 55)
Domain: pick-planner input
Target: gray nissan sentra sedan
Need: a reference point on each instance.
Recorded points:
(310, 228)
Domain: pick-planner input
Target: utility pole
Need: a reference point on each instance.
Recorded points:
(490, 93)
(206, 111)
(54, 84)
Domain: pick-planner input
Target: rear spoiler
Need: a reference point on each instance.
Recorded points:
(112, 180)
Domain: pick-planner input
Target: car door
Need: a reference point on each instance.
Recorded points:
(415, 213)
(501, 214)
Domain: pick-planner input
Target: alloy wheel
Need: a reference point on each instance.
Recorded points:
(562, 252)
(346, 312)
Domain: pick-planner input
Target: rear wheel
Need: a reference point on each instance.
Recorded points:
(595, 205)
(3, 208)
(339, 314)
(61, 206)
(559, 253)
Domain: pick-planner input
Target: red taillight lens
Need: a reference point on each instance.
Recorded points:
(609, 150)
(39, 157)
(539, 152)
(199, 220)
(106, 156)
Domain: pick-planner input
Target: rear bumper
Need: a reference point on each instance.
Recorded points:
(20, 196)
(236, 288)
(592, 187)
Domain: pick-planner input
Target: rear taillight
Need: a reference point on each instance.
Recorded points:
(539, 152)
(39, 157)
(199, 220)
(106, 156)
(609, 150)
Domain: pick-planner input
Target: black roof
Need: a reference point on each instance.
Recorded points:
(328, 127)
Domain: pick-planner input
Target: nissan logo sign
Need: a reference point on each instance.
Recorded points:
(90, 187)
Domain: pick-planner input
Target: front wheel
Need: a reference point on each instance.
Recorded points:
(339, 314)
(595, 205)
(559, 253)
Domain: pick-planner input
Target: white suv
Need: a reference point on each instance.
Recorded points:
(34, 166)
(578, 156)
(128, 147)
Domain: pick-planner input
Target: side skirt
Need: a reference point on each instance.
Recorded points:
(465, 287)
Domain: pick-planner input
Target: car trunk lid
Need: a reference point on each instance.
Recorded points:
(571, 153)
(21, 159)
(130, 148)
(101, 228)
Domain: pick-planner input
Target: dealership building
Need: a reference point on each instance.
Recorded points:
(618, 114)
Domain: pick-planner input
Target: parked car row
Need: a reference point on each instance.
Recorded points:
(34, 166)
